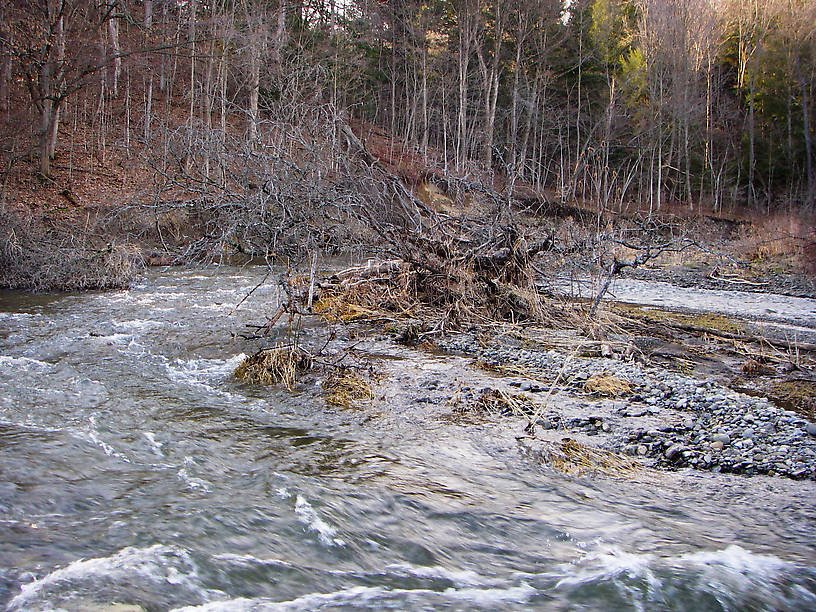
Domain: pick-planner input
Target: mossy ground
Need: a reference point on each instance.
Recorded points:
(714, 323)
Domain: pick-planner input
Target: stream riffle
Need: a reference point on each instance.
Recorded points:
(134, 470)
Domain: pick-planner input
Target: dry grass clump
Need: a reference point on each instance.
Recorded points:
(495, 402)
(342, 308)
(574, 458)
(502, 369)
(488, 406)
(346, 387)
(607, 385)
(279, 365)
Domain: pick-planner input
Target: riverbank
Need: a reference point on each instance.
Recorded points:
(660, 389)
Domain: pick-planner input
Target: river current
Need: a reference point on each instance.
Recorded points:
(136, 473)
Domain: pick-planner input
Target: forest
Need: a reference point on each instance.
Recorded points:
(249, 112)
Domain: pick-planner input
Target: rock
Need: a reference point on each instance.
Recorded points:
(811, 429)
(724, 438)
(673, 452)
(642, 449)
(718, 446)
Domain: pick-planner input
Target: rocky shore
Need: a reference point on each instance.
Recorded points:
(665, 418)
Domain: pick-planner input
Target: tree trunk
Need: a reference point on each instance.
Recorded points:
(811, 179)
(113, 33)
(148, 109)
(279, 41)
(467, 18)
(45, 134)
(50, 101)
(191, 40)
(254, 87)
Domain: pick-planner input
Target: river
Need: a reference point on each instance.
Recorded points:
(136, 473)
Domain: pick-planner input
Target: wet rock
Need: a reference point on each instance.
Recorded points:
(673, 452)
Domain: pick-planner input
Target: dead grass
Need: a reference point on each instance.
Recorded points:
(574, 458)
(495, 403)
(777, 243)
(798, 395)
(502, 369)
(345, 388)
(279, 365)
(703, 321)
(359, 297)
(607, 385)
(335, 308)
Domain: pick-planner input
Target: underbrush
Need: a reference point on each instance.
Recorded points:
(36, 256)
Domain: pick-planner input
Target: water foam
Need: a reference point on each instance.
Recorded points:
(250, 560)
(366, 596)
(156, 564)
(93, 435)
(9, 362)
(155, 446)
(737, 559)
(734, 576)
(609, 563)
(202, 374)
(309, 517)
(20, 316)
(460, 578)
(139, 325)
(191, 481)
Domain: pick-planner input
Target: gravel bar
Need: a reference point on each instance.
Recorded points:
(669, 419)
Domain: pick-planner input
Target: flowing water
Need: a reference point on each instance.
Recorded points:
(135, 470)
